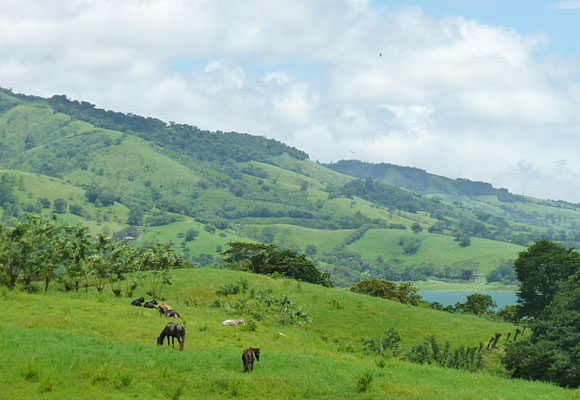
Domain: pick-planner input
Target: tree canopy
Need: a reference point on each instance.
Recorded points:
(541, 269)
(267, 259)
(403, 293)
(550, 292)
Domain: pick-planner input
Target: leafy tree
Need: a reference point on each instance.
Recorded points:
(410, 245)
(267, 259)
(135, 216)
(463, 238)
(477, 304)
(209, 227)
(191, 234)
(552, 352)
(44, 202)
(416, 227)
(509, 314)
(77, 210)
(59, 206)
(404, 293)
(310, 250)
(159, 259)
(541, 269)
(505, 274)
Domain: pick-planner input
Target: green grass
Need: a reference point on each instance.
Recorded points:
(59, 345)
(483, 255)
(292, 235)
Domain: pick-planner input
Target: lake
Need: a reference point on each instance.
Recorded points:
(502, 299)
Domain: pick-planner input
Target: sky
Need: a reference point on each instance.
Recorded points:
(486, 90)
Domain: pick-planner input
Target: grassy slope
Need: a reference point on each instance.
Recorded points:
(440, 250)
(59, 345)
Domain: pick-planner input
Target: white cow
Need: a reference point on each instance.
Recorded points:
(233, 322)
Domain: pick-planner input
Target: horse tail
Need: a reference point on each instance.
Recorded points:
(182, 340)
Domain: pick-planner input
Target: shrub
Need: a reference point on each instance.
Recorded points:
(403, 293)
(363, 381)
(387, 345)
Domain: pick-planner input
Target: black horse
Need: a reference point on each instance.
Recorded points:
(248, 357)
(169, 313)
(151, 304)
(172, 330)
(138, 302)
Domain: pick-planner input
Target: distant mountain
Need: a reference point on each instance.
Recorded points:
(420, 181)
(145, 180)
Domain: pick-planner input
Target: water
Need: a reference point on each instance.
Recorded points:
(502, 299)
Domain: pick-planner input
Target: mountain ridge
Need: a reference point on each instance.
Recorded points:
(133, 176)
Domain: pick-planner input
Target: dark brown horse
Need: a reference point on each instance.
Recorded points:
(169, 313)
(172, 330)
(248, 357)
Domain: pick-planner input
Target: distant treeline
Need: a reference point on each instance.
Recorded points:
(420, 181)
(179, 138)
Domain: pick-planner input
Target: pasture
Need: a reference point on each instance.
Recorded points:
(58, 345)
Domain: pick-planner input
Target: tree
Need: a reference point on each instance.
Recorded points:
(509, 314)
(135, 216)
(416, 227)
(310, 250)
(191, 234)
(404, 293)
(410, 245)
(551, 353)
(477, 304)
(463, 238)
(59, 206)
(266, 259)
(159, 259)
(541, 269)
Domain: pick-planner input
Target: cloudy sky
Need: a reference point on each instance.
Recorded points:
(480, 89)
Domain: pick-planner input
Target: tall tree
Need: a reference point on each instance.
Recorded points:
(541, 269)
(552, 352)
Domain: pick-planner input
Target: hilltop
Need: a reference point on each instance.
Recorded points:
(144, 180)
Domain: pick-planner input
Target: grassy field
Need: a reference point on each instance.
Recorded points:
(61, 345)
(483, 255)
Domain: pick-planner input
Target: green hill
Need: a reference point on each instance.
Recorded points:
(59, 345)
(143, 179)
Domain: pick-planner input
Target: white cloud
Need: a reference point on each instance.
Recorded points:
(452, 95)
(567, 5)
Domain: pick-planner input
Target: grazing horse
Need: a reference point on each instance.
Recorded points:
(151, 304)
(138, 302)
(248, 357)
(169, 313)
(172, 330)
(164, 306)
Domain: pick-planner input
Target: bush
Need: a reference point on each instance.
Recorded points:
(363, 381)
(387, 345)
(403, 293)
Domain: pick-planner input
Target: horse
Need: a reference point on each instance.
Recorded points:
(169, 313)
(151, 304)
(164, 306)
(248, 357)
(138, 302)
(172, 330)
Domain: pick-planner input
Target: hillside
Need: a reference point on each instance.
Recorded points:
(58, 345)
(145, 180)
(557, 220)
